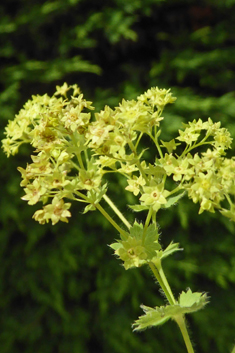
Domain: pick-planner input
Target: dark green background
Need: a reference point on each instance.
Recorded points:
(61, 289)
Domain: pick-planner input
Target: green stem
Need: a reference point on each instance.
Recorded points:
(154, 218)
(180, 320)
(138, 140)
(83, 197)
(179, 187)
(202, 142)
(163, 277)
(86, 157)
(159, 149)
(114, 224)
(150, 212)
(132, 147)
(229, 200)
(116, 210)
(163, 282)
(78, 155)
(80, 161)
(155, 140)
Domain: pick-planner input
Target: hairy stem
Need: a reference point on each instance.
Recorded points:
(116, 210)
(155, 140)
(162, 283)
(109, 218)
(180, 320)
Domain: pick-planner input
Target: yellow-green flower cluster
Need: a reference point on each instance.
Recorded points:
(55, 127)
(208, 177)
(72, 154)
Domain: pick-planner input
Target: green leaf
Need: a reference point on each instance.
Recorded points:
(173, 200)
(192, 301)
(188, 303)
(172, 247)
(161, 254)
(137, 230)
(149, 238)
(153, 317)
(139, 247)
(131, 252)
(151, 241)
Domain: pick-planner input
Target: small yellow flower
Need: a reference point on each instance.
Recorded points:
(62, 90)
(89, 179)
(169, 163)
(34, 192)
(74, 119)
(131, 112)
(157, 97)
(154, 196)
(187, 136)
(222, 139)
(206, 189)
(98, 133)
(183, 170)
(56, 211)
(135, 184)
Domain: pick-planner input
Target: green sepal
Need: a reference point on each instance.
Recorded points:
(133, 158)
(170, 146)
(139, 247)
(138, 208)
(188, 303)
(88, 208)
(79, 144)
(116, 246)
(158, 134)
(155, 171)
(93, 197)
(172, 200)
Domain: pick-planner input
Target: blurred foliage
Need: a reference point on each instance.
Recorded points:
(60, 289)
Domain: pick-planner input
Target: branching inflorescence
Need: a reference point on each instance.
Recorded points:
(73, 153)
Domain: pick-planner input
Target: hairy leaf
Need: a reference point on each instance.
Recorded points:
(188, 303)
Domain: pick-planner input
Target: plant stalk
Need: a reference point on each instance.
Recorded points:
(114, 224)
(116, 210)
(180, 320)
